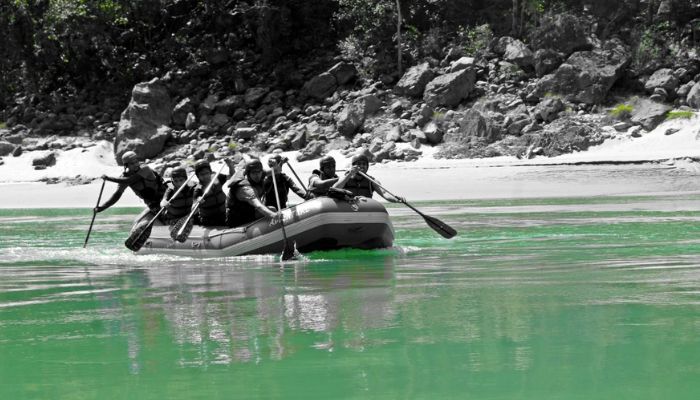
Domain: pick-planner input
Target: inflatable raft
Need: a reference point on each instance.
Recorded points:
(322, 223)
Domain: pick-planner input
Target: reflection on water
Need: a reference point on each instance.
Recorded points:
(590, 295)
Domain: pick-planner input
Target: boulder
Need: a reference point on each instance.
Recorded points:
(343, 72)
(432, 133)
(663, 78)
(143, 126)
(693, 99)
(320, 86)
(44, 161)
(180, 111)
(313, 149)
(514, 51)
(370, 104)
(546, 61)
(586, 76)
(450, 89)
(461, 63)
(548, 109)
(6, 148)
(413, 81)
(350, 119)
(254, 96)
(563, 33)
(648, 114)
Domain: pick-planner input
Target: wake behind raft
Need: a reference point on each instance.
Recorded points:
(323, 223)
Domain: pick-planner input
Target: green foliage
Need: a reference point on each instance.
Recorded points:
(622, 111)
(475, 38)
(680, 115)
(3, 125)
(232, 145)
(652, 45)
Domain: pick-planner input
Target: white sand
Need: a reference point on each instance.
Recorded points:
(425, 179)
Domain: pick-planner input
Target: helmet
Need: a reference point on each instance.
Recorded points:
(178, 172)
(274, 160)
(201, 165)
(128, 157)
(253, 164)
(360, 158)
(326, 161)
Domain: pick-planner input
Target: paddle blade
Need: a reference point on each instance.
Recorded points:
(440, 227)
(181, 229)
(289, 250)
(138, 237)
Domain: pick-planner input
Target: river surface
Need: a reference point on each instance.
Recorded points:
(556, 298)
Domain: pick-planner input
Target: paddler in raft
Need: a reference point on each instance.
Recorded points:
(145, 182)
(246, 193)
(358, 185)
(284, 183)
(180, 206)
(212, 208)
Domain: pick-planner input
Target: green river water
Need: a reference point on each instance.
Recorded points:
(571, 298)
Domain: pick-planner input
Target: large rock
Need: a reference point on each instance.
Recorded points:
(343, 72)
(413, 82)
(144, 125)
(350, 119)
(450, 89)
(562, 32)
(649, 114)
(180, 111)
(44, 161)
(515, 51)
(586, 76)
(313, 149)
(693, 98)
(546, 61)
(663, 78)
(565, 135)
(6, 148)
(475, 129)
(320, 86)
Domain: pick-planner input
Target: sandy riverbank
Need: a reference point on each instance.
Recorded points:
(653, 163)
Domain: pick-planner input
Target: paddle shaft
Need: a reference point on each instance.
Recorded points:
(297, 176)
(162, 209)
(437, 225)
(279, 211)
(199, 201)
(94, 214)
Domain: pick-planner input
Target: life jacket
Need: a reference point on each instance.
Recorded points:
(150, 187)
(240, 212)
(282, 190)
(181, 205)
(317, 190)
(212, 208)
(360, 187)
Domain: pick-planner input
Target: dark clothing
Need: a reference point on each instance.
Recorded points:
(284, 184)
(146, 184)
(360, 186)
(179, 206)
(239, 205)
(317, 187)
(212, 207)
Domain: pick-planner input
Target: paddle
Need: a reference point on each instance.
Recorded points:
(134, 242)
(438, 226)
(296, 176)
(287, 247)
(184, 228)
(94, 214)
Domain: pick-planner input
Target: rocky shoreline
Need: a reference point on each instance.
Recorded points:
(563, 92)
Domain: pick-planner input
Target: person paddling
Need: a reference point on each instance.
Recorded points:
(212, 209)
(323, 178)
(179, 206)
(246, 191)
(145, 182)
(359, 185)
(284, 183)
